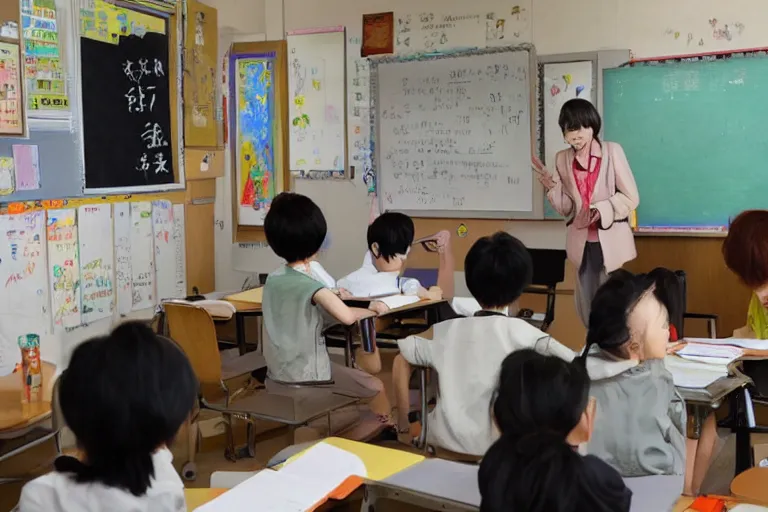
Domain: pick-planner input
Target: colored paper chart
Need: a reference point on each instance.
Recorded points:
(106, 22)
(96, 256)
(123, 258)
(142, 256)
(64, 268)
(43, 67)
(11, 113)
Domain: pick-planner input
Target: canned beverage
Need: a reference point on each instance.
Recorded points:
(31, 368)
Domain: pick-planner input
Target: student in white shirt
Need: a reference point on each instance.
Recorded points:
(124, 396)
(467, 352)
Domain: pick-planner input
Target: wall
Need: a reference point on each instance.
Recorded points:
(651, 28)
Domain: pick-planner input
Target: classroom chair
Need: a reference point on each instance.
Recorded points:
(548, 272)
(679, 323)
(234, 386)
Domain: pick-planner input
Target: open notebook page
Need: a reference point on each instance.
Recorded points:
(398, 301)
(736, 342)
(692, 374)
(712, 354)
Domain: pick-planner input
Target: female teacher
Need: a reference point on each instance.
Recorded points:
(595, 191)
(745, 251)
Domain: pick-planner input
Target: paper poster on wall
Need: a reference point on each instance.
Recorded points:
(254, 137)
(7, 180)
(97, 274)
(562, 82)
(378, 34)
(123, 274)
(359, 114)
(165, 250)
(11, 111)
(26, 166)
(43, 67)
(142, 257)
(316, 82)
(468, 27)
(64, 268)
(179, 251)
(24, 305)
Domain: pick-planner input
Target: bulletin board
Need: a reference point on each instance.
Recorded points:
(9, 21)
(201, 122)
(258, 114)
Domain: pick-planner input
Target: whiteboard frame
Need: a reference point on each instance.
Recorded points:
(179, 17)
(537, 190)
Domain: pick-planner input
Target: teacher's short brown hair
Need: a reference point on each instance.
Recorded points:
(745, 249)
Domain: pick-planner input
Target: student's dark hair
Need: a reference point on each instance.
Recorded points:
(497, 269)
(609, 314)
(295, 227)
(669, 291)
(531, 467)
(579, 113)
(124, 396)
(745, 249)
(393, 232)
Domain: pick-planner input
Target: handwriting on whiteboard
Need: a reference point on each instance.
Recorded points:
(455, 133)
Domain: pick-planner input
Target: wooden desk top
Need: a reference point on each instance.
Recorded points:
(245, 307)
(199, 497)
(29, 414)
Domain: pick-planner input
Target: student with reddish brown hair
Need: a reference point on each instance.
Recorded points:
(745, 251)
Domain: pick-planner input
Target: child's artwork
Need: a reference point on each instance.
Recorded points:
(23, 275)
(378, 34)
(316, 84)
(96, 261)
(44, 72)
(163, 225)
(255, 94)
(179, 251)
(6, 176)
(142, 257)
(11, 111)
(123, 274)
(26, 164)
(64, 268)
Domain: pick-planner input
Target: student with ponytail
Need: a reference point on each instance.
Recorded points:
(124, 396)
(642, 417)
(543, 411)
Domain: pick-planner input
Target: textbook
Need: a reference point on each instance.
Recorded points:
(306, 481)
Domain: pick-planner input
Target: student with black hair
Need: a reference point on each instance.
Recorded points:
(297, 308)
(594, 189)
(466, 351)
(390, 237)
(642, 423)
(543, 410)
(124, 396)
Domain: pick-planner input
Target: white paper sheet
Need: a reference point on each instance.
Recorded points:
(179, 251)
(97, 273)
(736, 342)
(399, 301)
(165, 250)
(142, 256)
(64, 267)
(123, 274)
(712, 354)
(692, 374)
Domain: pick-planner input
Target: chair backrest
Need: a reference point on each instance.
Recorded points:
(192, 328)
(548, 266)
(679, 322)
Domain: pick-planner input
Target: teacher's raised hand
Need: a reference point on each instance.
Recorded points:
(542, 174)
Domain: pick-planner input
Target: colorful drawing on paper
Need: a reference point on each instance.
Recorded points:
(11, 113)
(255, 132)
(378, 34)
(96, 261)
(43, 69)
(23, 282)
(7, 181)
(106, 22)
(123, 273)
(26, 166)
(142, 257)
(64, 268)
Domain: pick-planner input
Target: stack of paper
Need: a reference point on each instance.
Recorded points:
(749, 344)
(722, 355)
(692, 374)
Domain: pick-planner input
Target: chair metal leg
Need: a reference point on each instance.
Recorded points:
(348, 348)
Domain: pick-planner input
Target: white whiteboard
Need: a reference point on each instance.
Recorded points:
(317, 85)
(454, 133)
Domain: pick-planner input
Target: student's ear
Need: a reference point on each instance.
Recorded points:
(375, 250)
(582, 432)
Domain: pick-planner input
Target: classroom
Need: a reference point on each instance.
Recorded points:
(176, 169)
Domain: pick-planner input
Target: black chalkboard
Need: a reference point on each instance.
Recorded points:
(126, 112)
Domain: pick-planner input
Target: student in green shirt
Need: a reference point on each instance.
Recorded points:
(745, 251)
(297, 309)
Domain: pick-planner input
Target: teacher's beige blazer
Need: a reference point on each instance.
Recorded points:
(615, 197)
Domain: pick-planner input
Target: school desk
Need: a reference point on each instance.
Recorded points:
(242, 310)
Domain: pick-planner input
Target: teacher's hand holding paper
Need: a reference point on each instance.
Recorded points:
(542, 174)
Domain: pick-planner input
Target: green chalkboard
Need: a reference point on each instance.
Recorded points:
(696, 136)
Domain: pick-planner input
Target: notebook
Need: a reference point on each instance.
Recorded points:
(736, 342)
(399, 301)
(711, 354)
(693, 374)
